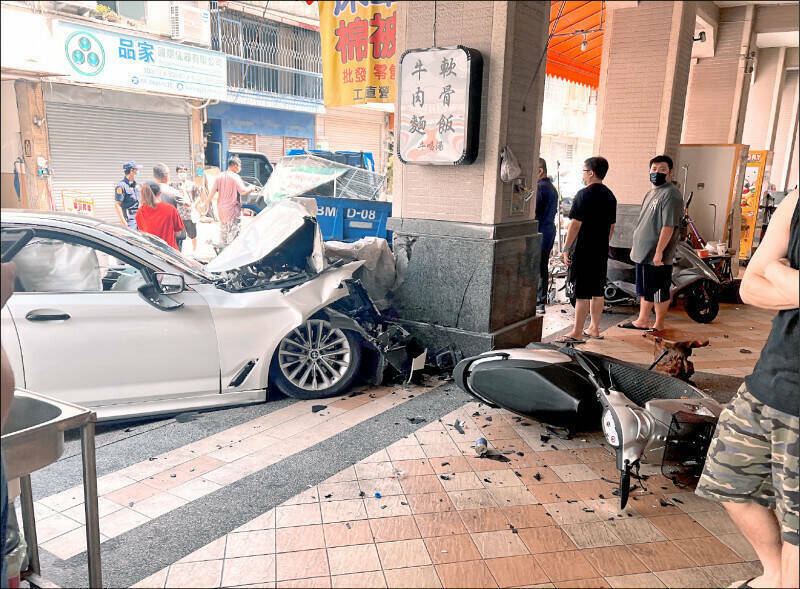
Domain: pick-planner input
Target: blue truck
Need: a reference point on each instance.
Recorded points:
(340, 218)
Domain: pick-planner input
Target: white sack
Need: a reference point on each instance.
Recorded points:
(46, 265)
(378, 273)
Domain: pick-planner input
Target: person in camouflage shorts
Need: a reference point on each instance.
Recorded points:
(752, 463)
(228, 231)
(754, 457)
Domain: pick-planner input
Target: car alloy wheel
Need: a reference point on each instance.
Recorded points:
(314, 356)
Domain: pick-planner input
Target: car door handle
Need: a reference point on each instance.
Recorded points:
(47, 315)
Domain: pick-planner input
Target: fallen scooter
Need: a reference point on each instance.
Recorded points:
(645, 416)
(692, 279)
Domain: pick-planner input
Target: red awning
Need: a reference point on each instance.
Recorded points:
(565, 58)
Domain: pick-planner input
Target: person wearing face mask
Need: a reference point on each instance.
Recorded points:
(126, 195)
(191, 194)
(654, 241)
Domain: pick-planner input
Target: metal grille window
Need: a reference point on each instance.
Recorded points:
(268, 56)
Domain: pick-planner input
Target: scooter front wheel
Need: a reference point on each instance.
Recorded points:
(701, 303)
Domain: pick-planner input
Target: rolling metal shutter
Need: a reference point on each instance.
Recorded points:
(348, 135)
(271, 146)
(353, 130)
(88, 146)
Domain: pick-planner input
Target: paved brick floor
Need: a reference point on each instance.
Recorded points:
(424, 511)
(443, 517)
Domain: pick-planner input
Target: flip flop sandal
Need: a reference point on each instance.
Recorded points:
(630, 325)
(566, 339)
(590, 336)
(742, 584)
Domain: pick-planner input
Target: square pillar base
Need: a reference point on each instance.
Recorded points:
(471, 343)
(466, 284)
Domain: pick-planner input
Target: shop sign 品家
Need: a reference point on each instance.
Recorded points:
(358, 46)
(132, 61)
(439, 106)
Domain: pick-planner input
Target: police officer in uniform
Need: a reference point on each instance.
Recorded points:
(126, 195)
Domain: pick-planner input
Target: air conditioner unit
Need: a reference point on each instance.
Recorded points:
(190, 24)
(81, 8)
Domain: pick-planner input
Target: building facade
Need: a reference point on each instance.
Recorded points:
(99, 88)
(274, 101)
(172, 82)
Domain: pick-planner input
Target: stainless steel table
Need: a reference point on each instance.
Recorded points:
(33, 437)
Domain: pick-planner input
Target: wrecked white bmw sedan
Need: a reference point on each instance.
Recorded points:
(118, 321)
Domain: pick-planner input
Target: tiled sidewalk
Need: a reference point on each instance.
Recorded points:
(135, 495)
(425, 512)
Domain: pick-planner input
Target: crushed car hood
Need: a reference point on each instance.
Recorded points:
(288, 224)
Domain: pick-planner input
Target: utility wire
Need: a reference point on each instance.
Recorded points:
(434, 22)
(544, 52)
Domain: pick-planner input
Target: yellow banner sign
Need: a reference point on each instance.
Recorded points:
(358, 46)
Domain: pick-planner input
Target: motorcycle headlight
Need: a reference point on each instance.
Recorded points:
(610, 428)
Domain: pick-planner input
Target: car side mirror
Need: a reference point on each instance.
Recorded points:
(170, 283)
(150, 293)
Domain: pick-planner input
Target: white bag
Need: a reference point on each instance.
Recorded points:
(378, 274)
(46, 265)
(509, 165)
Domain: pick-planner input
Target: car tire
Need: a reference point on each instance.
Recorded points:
(341, 370)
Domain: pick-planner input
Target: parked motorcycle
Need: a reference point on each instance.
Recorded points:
(645, 416)
(692, 279)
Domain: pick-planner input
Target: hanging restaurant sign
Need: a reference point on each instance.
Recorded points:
(439, 105)
(358, 43)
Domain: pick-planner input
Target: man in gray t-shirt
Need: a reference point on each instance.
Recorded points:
(654, 241)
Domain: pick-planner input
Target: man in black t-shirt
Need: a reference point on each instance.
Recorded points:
(593, 215)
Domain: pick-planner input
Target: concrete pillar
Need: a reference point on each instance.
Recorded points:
(643, 77)
(718, 86)
(468, 258)
(786, 130)
(794, 166)
(764, 99)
